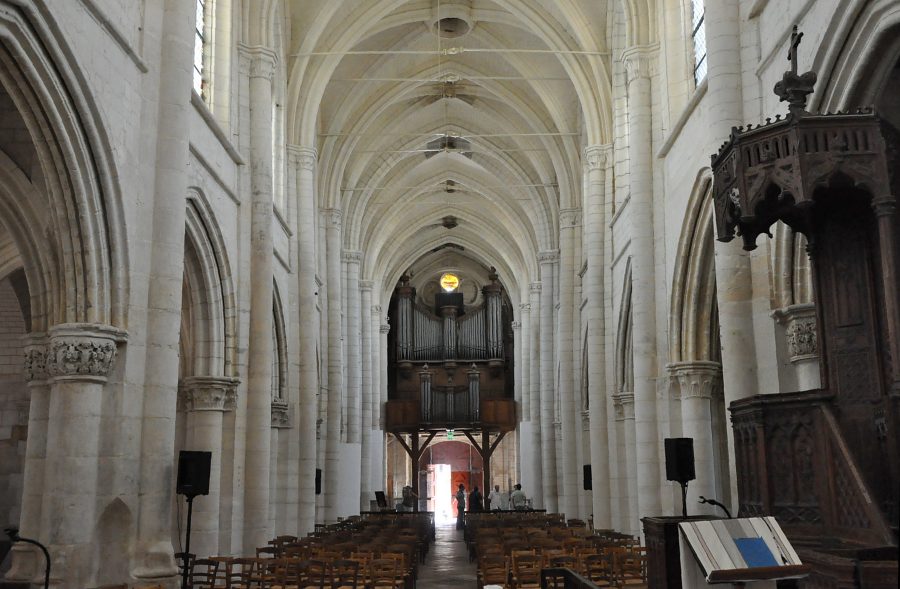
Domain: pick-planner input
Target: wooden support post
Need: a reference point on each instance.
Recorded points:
(414, 454)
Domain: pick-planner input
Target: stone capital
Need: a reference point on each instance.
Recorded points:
(385, 328)
(351, 257)
(623, 403)
(800, 330)
(366, 285)
(260, 61)
(516, 325)
(81, 351)
(640, 62)
(585, 421)
(35, 365)
(334, 217)
(209, 393)
(525, 306)
(548, 257)
(535, 288)
(699, 380)
(596, 157)
(304, 157)
(569, 218)
(376, 310)
(281, 414)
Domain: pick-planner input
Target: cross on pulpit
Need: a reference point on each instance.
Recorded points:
(792, 52)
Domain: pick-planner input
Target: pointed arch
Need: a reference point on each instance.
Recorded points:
(73, 245)
(624, 348)
(210, 293)
(694, 313)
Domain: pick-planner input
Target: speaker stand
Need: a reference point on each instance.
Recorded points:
(186, 557)
(684, 486)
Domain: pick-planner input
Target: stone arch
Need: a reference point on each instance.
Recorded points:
(71, 238)
(694, 314)
(279, 349)
(208, 310)
(624, 350)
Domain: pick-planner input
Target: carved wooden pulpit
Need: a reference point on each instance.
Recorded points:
(825, 462)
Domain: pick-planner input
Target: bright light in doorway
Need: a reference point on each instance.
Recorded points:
(443, 496)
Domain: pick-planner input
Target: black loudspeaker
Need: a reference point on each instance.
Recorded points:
(588, 480)
(680, 459)
(193, 473)
(318, 481)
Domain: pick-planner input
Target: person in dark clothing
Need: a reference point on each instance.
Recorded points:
(475, 500)
(460, 507)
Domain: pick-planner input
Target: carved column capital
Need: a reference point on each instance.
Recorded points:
(640, 62)
(304, 157)
(535, 288)
(624, 405)
(884, 205)
(209, 393)
(569, 218)
(548, 257)
(516, 325)
(385, 328)
(525, 307)
(800, 330)
(596, 157)
(82, 351)
(367, 286)
(281, 414)
(700, 379)
(333, 217)
(35, 365)
(260, 61)
(351, 257)
(585, 421)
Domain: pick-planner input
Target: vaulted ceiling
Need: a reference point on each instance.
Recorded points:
(475, 109)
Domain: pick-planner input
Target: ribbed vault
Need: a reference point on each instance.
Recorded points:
(475, 109)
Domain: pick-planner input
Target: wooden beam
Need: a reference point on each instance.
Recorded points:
(403, 443)
(496, 443)
(475, 444)
(425, 445)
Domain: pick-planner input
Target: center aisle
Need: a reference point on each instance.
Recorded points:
(447, 564)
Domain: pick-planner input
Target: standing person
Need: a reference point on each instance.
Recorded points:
(460, 507)
(517, 498)
(475, 500)
(409, 498)
(494, 499)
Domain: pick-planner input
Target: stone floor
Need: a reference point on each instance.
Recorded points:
(448, 563)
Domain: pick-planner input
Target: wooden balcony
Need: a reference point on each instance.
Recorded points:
(412, 415)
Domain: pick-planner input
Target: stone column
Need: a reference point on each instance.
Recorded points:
(380, 380)
(207, 398)
(596, 159)
(525, 361)
(366, 394)
(153, 552)
(534, 378)
(548, 261)
(625, 400)
(569, 221)
(353, 345)
(699, 382)
(27, 560)
(639, 63)
(304, 160)
(802, 342)
(257, 493)
(335, 363)
(734, 289)
(79, 359)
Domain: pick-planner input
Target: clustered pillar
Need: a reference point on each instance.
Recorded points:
(569, 220)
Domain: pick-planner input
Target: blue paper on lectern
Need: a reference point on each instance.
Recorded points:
(755, 552)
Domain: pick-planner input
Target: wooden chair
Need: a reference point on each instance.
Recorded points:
(204, 573)
(345, 574)
(314, 574)
(629, 567)
(240, 573)
(493, 570)
(599, 570)
(526, 571)
(384, 572)
(267, 552)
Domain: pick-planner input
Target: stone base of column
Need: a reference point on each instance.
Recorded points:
(27, 564)
(156, 563)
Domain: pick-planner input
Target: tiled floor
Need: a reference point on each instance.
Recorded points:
(448, 563)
